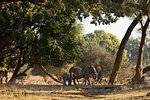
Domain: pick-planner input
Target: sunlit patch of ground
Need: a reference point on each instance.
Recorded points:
(81, 92)
(35, 88)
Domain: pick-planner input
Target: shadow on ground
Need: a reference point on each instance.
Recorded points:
(90, 91)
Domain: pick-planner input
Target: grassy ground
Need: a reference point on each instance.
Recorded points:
(36, 89)
(80, 92)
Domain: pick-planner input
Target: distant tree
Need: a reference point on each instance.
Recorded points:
(132, 49)
(106, 40)
(98, 56)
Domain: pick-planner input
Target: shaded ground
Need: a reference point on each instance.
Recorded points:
(81, 92)
(35, 88)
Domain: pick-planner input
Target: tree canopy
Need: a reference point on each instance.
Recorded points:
(30, 31)
(46, 30)
(106, 40)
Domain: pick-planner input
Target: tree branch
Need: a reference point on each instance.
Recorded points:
(24, 72)
(24, 53)
(42, 67)
(8, 51)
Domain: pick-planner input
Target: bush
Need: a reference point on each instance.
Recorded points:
(97, 56)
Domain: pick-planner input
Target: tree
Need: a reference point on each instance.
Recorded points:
(139, 69)
(96, 55)
(132, 8)
(25, 26)
(132, 49)
(96, 8)
(51, 39)
(108, 41)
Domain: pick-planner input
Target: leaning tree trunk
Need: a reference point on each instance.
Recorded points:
(15, 74)
(139, 69)
(44, 69)
(121, 49)
(49, 74)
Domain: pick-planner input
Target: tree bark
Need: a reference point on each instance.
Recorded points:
(121, 49)
(4, 41)
(139, 69)
(15, 74)
(44, 69)
(49, 74)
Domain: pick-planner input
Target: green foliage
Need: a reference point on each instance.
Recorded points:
(57, 45)
(106, 40)
(129, 7)
(46, 30)
(102, 11)
(135, 7)
(3, 65)
(99, 49)
(97, 56)
(132, 49)
(44, 36)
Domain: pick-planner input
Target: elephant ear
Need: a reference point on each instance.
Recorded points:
(74, 76)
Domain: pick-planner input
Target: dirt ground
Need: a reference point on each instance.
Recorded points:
(35, 88)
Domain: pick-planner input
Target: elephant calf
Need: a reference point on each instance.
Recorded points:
(69, 77)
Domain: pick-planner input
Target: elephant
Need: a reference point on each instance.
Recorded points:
(69, 77)
(2, 75)
(146, 69)
(84, 72)
(99, 73)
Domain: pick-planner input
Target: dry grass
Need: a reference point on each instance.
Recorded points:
(60, 92)
(35, 88)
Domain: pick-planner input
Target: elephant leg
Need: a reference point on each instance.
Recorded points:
(74, 82)
(64, 79)
(69, 82)
(64, 82)
(88, 81)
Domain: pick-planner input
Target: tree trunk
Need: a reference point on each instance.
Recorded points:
(15, 74)
(121, 49)
(4, 42)
(139, 69)
(44, 69)
(50, 74)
